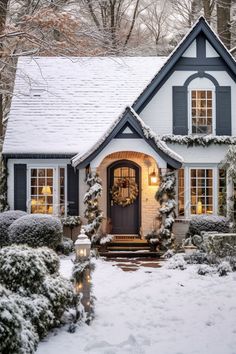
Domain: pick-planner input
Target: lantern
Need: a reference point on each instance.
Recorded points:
(153, 178)
(82, 247)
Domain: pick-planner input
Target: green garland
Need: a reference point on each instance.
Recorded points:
(3, 186)
(199, 140)
(92, 212)
(163, 239)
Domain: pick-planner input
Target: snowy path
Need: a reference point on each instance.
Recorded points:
(162, 312)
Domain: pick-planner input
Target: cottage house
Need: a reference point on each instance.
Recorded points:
(130, 119)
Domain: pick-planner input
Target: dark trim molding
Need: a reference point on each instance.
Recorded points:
(201, 46)
(38, 156)
(201, 74)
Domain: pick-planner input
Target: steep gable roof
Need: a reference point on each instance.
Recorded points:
(201, 26)
(130, 117)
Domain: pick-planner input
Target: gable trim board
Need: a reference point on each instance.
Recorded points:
(130, 117)
(201, 27)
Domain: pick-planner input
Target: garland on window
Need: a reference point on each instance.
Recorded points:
(92, 212)
(163, 239)
(199, 140)
(116, 192)
(3, 186)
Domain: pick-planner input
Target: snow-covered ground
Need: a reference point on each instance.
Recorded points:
(151, 311)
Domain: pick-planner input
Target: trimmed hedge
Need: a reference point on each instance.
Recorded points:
(36, 230)
(6, 219)
(208, 223)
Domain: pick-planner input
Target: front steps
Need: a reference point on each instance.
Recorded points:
(124, 246)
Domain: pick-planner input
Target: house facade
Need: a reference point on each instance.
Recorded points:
(130, 120)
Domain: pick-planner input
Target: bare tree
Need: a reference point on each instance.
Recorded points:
(114, 19)
(224, 21)
(208, 7)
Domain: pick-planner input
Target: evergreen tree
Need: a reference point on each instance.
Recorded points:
(92, 212)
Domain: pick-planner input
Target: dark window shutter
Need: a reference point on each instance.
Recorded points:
(223, 110)
(72, 191)
(180, 110)
(20, 187)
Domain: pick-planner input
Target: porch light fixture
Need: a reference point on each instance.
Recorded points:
(82, 247)
(153, 178)
(46, 190)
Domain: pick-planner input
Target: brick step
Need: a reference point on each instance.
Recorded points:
(128, 248)
(128, 244)
(121, 254)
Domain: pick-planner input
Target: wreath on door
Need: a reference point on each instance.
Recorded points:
(119, 196)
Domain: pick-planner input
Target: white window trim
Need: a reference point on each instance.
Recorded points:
(55, 168)
(190, 109)
(215, 187)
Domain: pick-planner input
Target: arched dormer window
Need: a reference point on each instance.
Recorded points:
(201, 106)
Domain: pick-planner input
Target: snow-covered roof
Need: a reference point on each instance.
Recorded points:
(148, 133)
(65, 105)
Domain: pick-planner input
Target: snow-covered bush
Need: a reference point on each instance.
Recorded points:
(224, 268)
(222, 245)
(177, 262)
(65, 247)
(21, 267)
(36, 230)
(6, 219)
(106, 239)
(50, 259)
(168, 254)
(208, 223)
(59, 292)
(33, 299)
(17, 334)
(205, 269)
(197, 257)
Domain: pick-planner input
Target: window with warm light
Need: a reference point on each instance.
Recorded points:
(181, 192)
(222, 195)
(47, 191)
(201, 191)
(202, 111)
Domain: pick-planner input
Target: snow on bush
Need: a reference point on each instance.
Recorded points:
(36, 230)
(205, 269)
(34, 298)
(21, 267)
(176, 262)
(224, 268)
(168, 254)
(106, 239)
(60, 293)
(65, 247)
(208, 223)
(17, 334)
(50, 259)
(6, 219)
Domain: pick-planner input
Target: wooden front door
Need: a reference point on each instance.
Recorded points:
(124, 197)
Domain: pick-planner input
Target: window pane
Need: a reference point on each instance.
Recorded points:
(201, 108)
(181, 192)
(202, 195)
(41, 191)
(222, 196)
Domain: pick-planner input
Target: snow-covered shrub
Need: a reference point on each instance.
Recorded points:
(177, 262)
(36, 230)
(21, 267)
(222, 245)
(50, 258)
(168, 254)
(106, 239)
(17, 334)
(6, 219)
(232, 262)
(207, 223)
(59, 292)
(224, 268)
(65, 247)
(204, 269)
(38, 310)
(197, 257)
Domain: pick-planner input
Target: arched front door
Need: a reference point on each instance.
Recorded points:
(124, 197)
